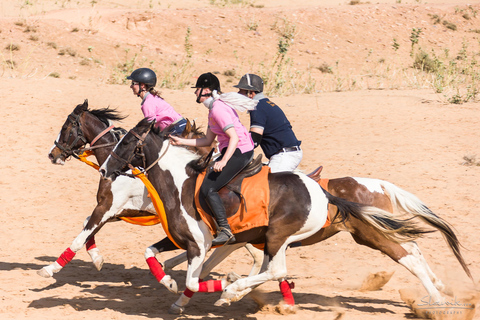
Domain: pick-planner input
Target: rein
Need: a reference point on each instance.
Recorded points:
(80, 152)
(138, 152)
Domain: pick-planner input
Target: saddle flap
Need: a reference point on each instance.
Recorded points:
(255, 193)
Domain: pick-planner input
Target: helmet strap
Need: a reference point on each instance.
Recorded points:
(200, 95)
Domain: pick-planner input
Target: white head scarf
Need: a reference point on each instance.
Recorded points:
(236, 101)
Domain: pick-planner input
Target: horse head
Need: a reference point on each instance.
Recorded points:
(70, 137)
(130, 151)
(81, 127)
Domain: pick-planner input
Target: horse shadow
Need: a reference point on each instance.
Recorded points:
(134, 291)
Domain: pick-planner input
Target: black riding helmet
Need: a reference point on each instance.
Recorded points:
(207, 80)
(144, 75)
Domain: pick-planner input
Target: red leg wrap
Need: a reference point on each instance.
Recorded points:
(66, 257)
(189, 293)
(285, 289)
(210, 286)
(156, 268)
(91, 244)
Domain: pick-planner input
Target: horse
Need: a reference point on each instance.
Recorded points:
(123, 198)
(369, 191)
(391, 198)
(297, 211)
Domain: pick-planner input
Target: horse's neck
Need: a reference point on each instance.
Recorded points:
(93, 127)
(172, 164)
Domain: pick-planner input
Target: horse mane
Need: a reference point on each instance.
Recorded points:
(106, 115)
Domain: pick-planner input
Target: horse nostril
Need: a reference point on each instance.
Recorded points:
(102, 172)
(50, 156)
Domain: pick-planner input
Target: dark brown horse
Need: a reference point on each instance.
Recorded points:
(126, 198)
(297, 211)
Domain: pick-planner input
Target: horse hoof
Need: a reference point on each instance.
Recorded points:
(98, 263)
(170, 284)
(175, 309)
(232, 277)
(44, 273)
(222, 303)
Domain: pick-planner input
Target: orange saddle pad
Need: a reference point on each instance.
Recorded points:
(252, 212)
(324, 184)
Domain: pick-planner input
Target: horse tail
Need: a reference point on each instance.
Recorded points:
(392, 228)
(406, 202)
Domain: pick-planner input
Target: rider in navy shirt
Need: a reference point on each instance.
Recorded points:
(270, 127)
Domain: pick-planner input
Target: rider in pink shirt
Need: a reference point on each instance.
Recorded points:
(153, 106)
(222, 117)
(235, 145)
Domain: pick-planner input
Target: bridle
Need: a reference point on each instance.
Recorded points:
(137, 152)
(70, 149)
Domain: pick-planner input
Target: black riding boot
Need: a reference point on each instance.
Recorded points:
(224, 233)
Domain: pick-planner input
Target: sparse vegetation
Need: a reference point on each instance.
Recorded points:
(325, 68)
(68, 51)
(228, 3)
(470, 160)
(54, 74)
(12, 47)
(449, 25)
(52, 45)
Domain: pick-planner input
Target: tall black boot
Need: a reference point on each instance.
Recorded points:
(224, 233)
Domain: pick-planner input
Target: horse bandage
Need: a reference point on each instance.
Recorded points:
(156, 268)
(66, 257)
(210, 286)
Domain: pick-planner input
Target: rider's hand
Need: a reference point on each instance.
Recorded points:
(219, 165)
(175, 140)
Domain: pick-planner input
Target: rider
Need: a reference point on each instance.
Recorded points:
(153, 105)
(270, 127)
(235, 144)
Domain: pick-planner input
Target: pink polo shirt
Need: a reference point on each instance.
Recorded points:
(154, 107)
(220, 118)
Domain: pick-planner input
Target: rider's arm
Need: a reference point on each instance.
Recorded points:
(200, 142)
(257, 135)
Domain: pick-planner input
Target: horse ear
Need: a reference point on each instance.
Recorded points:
(188, 126)
(152, 124)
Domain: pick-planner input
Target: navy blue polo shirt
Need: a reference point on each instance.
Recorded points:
(277, 131)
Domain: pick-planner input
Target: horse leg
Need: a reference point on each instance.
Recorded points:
(406, 254)
(218, 255)
(257, 256)
(93, 251)
(175, 261)
(71, 251)
(156, 267)
(412, 248)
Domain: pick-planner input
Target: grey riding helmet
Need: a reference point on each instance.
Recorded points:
(250, 82)
(144, 75)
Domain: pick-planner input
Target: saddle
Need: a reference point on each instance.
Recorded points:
(246, 198)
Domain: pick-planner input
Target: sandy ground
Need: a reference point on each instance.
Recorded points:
(408, 137)
(405, 137)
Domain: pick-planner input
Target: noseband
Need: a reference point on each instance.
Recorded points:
(70, 150)
(138, 151)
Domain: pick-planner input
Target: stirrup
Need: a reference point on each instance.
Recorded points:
(227, 233)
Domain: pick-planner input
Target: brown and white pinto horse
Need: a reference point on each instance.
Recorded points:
(123, 198)
(298, 209)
